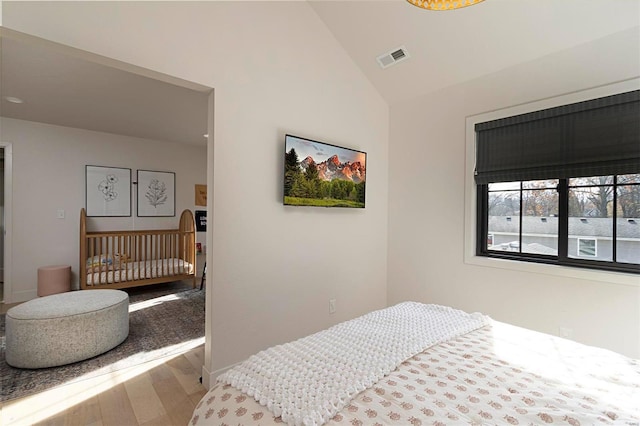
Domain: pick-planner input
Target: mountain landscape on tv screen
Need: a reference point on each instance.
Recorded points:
(332, 168)
(328, 183)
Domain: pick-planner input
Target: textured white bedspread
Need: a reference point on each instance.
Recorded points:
(497, 375)
(306, 382)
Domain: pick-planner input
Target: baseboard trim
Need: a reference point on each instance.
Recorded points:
(209, 378)
(20, 296)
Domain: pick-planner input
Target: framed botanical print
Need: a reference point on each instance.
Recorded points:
(108, 191)
(156, 193)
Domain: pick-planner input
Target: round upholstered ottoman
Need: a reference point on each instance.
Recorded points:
(66, 327)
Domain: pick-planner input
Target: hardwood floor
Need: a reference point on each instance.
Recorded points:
(4, 307)
(160, 392)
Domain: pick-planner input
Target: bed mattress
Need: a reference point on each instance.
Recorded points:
(498, 374)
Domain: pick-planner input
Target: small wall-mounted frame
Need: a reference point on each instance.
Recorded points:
(107, 191)
(201, 220)
(156, 193)
(201, 195)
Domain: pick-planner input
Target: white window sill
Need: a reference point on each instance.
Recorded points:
(620, 278)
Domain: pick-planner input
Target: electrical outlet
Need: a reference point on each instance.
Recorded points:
(60, 214)
(332, 306)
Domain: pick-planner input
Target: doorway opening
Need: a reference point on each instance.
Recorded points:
(2, 224)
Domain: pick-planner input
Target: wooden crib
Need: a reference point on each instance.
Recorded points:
(121, 259)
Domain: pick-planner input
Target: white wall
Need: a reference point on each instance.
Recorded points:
(427, 204)
(2, 217)
(49, 174)
(276, 69)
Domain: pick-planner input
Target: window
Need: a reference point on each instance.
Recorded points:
(562, 185)
(565, 221)
(587, 247)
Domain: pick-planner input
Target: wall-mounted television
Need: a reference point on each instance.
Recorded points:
(323, 175)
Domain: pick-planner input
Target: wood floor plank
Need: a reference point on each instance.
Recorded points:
(160, 373)
(87, 413)
(183, 371)
(180, 364)
(163, 420)
(181, 413)
(173, 396)
(52, 421)
(196, 397)
(167, 387)
(164, 395)
(196, 357)
(115, 407)
(143, 398)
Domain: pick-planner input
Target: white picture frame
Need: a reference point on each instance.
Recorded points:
(156, 194)
(107, 191)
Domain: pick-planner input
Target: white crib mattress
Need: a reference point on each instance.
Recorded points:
(140, 270)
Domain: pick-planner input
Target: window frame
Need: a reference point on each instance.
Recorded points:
(471, 197)
(562, 258)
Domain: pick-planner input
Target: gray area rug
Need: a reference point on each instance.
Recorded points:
(165, 319)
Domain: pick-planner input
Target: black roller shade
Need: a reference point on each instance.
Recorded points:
(591, 138)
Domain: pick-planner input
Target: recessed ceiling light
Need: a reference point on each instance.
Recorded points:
(13, 100)
(206, 135)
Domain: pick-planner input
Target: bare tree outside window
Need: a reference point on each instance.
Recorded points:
(591, 196)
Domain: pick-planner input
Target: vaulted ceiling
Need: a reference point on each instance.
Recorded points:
(445, 48)
(450, 47)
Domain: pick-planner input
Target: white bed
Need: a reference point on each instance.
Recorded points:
(495, 374)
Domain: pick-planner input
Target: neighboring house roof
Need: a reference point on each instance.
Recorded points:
(538, 248)
(590, 226)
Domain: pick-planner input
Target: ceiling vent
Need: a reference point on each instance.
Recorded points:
(393, 57)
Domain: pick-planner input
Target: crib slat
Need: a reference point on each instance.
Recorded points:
(146, 241)
(99, 260)
(130, 252)
(163, 254)
(108, 257)
(173, 253)
(158, 257)
(120, 243)
(185, 254)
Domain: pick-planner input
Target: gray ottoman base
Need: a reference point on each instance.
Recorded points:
(65, 328)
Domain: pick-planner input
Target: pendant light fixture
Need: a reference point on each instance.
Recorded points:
(443, 4)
